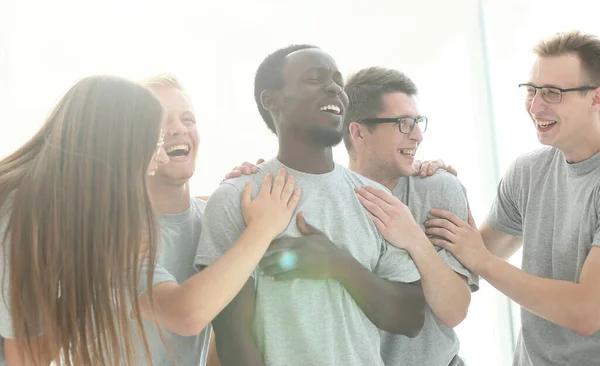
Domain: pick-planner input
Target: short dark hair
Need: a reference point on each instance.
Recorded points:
(365, 89)
(268, 77)
(585, 46)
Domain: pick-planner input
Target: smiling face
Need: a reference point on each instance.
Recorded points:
(312, 102)
(563, 125)
(390, 152)
(180, 136)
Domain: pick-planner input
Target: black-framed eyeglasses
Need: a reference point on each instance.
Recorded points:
(406, 124)
(551, 94)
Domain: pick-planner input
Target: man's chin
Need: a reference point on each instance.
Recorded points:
(181, 176)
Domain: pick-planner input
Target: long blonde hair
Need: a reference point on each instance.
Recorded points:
(79, 223)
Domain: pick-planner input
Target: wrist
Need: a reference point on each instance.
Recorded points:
(486, 265)
(264, 232)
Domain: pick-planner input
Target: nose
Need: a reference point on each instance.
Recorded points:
(416, 134)
(174, 127)
(333, 89)
(537, 104)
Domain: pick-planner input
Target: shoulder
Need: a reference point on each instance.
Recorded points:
(357, 180)
(440, 182)
(537, 159)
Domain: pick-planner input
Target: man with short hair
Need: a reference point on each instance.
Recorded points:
(328, 314)
(548, 202)
(382, 133)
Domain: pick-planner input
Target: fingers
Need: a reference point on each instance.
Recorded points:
(372, 208)
(265, 188)
(442, 243)
(442, 233)
(293, 202)
(282, 243)
(288, 188)
(248, 168)
(424, 171)
(442, 223)
(289, 275)
(378, 223)
(417, 165)
(448, 216)
(304, 227)
(471, 221)
(279, 184)
(260, 161)
(278, 263)
(383, 195)
(233, 174)
(451, 170)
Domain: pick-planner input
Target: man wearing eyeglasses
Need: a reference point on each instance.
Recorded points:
(382, 132)
(548, 202)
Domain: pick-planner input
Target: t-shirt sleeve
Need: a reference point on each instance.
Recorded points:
(505, 215)
(396, 265)
(596, 239)
(454, 199)
(160, 275)
(223, 224)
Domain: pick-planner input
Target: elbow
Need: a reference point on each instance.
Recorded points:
(410, 319)
(456, 314)
(187, 326)
(415, 323)
(454, 318)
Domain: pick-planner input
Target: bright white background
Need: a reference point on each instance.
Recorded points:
(466, 56)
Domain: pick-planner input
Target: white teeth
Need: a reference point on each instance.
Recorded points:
(410, 152)
(331, 107)
(544, 123)
(177, 147)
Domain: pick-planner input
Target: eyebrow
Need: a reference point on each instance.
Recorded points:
(188, 112)
(543, 86)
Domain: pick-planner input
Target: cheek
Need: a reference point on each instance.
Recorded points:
(192, 131)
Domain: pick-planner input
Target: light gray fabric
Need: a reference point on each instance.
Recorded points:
(555, 207)
(180, 234)
(306, 322)
(436, 344)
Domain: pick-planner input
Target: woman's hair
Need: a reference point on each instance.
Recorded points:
(80, 223)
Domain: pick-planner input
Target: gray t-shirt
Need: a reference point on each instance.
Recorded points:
(180, 234)
(307, 322)
(555, 207)
(436, 344)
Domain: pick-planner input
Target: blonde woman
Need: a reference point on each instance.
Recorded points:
(185, 302)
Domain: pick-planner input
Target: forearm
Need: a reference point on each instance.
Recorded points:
(233, 331)
(189, 308)
(446, 293)
(391, 306)
(561, 302)
(498, 243)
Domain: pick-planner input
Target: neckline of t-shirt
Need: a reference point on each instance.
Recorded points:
(584, 167)
(298, 173)
(177, 218)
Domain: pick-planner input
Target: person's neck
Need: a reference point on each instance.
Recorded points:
(169, 198)
(584, 149)
(305, 158)
(365, 169)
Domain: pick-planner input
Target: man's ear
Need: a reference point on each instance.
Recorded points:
(356, 131)
(596, 99)
(267, 100)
